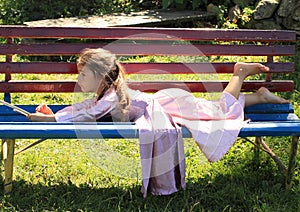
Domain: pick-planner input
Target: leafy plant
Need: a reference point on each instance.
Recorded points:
(182, 4)
(240, 21)
(20, 11)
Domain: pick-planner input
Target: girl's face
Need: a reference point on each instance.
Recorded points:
(88, 80)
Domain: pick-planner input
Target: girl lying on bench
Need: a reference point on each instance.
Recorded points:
(214, 125)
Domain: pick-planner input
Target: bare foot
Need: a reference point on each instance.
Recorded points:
(267, 97)
(247, 69)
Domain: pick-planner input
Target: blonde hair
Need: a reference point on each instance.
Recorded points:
(105, 64)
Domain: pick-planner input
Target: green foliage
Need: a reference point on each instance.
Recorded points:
(240, 21)
(183, 4)
(20, 11)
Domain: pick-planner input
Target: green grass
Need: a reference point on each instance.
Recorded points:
(104, 175)
(60, 175)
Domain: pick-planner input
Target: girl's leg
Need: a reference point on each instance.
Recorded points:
(241, 71)
(263, 95)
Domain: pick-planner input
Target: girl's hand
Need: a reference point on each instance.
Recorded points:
(43, 108)
(41, 117)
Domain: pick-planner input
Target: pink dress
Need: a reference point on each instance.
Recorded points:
(214, 125)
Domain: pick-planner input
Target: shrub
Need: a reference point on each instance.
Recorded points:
(183, 4)
(20, 11)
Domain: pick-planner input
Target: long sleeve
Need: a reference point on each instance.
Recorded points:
(89, 110)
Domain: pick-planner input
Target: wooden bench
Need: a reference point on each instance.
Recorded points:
(196, 53)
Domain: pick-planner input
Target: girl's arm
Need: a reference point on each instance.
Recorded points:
(45, 114)
(40, 117)
(90, 110)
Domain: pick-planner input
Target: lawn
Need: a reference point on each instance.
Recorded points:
(62, 175)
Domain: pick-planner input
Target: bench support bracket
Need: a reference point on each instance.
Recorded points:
(288, 171)
(292, 161)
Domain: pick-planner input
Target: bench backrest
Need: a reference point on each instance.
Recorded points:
(194, 54)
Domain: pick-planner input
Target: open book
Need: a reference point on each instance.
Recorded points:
(17, 109)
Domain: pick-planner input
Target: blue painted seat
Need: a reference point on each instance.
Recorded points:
(265, 120)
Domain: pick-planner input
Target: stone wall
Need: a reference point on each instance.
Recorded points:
(277, 14)
(268, 14)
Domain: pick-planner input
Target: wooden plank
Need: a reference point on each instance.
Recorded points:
(7, 111)
(196, 68)
(151, 86)
(148, 33)
(270, 108)
(13, 118)
(125, 130)
(68, 130)
(137, 68)
(258, 109)
(38, 68)
(253, 117)
(38, 86)
(257, 129)
(8, 115)
(212, 86)
(272, 117)
(158, 49)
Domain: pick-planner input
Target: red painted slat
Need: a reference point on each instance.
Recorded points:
(38, 68)
(144, 33)
(197, 68)
(136, 68)
(213, 86)
(37, 86)
(134, 49)
(207, 86)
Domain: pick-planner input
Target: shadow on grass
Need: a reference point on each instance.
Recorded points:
(239, 188)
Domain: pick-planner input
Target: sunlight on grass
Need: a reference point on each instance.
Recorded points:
(235, 59)
(52, 165)
(44, 77)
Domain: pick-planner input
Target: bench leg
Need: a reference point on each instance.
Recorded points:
(292, 161)
(8, 146)
(257, 152)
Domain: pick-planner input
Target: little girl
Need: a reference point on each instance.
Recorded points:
(214, 125)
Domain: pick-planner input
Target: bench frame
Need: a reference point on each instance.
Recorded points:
(267, 120)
